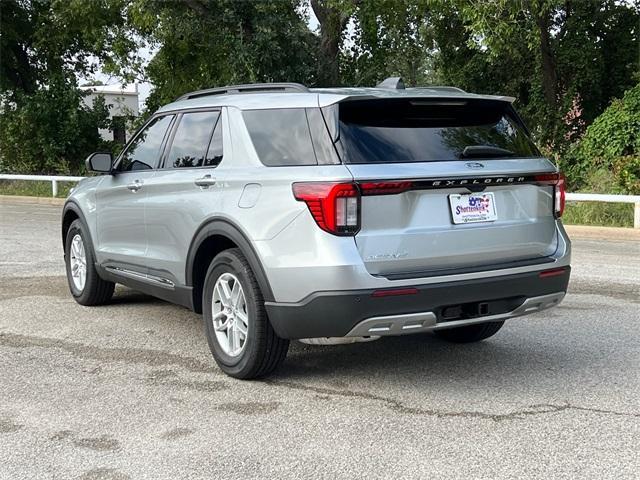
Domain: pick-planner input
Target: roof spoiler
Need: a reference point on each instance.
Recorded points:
(396, 83)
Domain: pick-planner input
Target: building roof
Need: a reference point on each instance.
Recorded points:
(112, 89)
(321, 97)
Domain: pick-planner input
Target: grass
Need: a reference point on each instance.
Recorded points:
(600, 214)
(576, 213)
(33, 189)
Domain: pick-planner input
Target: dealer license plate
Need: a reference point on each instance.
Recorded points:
(473, 208)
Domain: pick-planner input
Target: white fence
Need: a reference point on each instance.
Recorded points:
(571, 197)
(598, 197)
(54, 179)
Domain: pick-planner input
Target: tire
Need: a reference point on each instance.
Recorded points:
(259, 351)
(95, 290)
(470, 333)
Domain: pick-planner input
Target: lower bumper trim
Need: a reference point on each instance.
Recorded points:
(434, 306)
(392, 325)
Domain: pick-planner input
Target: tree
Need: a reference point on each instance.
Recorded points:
(50, 131)
(208, 43)
(45, 46)
(333, 16)
(583, 55)
(389, 38)
(50, 40)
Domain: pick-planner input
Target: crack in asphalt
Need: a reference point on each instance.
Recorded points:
(153, 358)
(158, 358)
(400, 407)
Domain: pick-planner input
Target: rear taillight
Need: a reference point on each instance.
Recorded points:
(334, 206)
(559, 194)
(384, 188)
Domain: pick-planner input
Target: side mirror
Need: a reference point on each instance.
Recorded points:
(100, 162)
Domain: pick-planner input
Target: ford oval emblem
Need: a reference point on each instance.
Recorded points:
(474, 165)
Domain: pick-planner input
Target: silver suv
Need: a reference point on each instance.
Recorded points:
(281, 212)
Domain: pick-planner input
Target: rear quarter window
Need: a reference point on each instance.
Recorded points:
(290, 137)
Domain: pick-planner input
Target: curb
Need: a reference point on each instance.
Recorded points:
(31, 200)
(603, 233)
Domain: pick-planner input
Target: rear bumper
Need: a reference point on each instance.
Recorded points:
(432, 306)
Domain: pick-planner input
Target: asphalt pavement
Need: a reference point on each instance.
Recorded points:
(130, 391)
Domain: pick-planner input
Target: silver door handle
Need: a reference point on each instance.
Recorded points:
(205, 181)
(135, 186)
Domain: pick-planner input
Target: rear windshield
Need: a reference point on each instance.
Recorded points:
(425, 130)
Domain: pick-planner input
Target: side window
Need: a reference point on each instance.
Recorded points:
(189, 145)
(281, 137)
(143, 152)
(214, 153)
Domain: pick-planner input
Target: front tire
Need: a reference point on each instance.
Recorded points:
(240, 336)
(85, 284)
(470, 333)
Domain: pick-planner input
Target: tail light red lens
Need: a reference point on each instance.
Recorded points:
(334, 206)
(559, 194)
(384, 188)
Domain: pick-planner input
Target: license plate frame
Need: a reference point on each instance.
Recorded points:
(468, 208)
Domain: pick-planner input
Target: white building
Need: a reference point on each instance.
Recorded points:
(122, 104)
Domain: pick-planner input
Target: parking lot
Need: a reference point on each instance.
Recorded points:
(130, 390)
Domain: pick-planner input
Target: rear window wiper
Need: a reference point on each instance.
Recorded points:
(485, 151)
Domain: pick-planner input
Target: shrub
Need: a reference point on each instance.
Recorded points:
(50, 132)
(611, 143)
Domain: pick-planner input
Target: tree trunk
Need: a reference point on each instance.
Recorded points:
(549, 74)
(332, 23)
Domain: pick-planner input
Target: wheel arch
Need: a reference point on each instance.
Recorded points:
(71, 212)
(212, 237)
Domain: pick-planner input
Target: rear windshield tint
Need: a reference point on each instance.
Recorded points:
(425, 130)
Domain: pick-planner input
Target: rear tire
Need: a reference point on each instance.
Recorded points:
(470, 333)
(87, 289)
(241, 338)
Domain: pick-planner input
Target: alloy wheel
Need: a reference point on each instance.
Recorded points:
(78, 260)
(229, 314)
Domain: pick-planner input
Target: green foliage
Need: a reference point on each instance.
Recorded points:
(51, 39)
(600, 214)
(564, 61)
(33, 189)
(208, 43)
(612, 144)
(50, 131)
(389, 38)
(599, 180)
(45, 44)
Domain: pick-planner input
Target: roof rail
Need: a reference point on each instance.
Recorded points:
(247, 88)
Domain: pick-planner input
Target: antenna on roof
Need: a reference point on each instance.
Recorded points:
(394, 83)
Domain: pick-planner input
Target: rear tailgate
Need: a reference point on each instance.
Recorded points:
(448, 208)
(414, 233)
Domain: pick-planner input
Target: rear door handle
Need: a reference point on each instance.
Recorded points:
(135, 186)
(205, 181)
